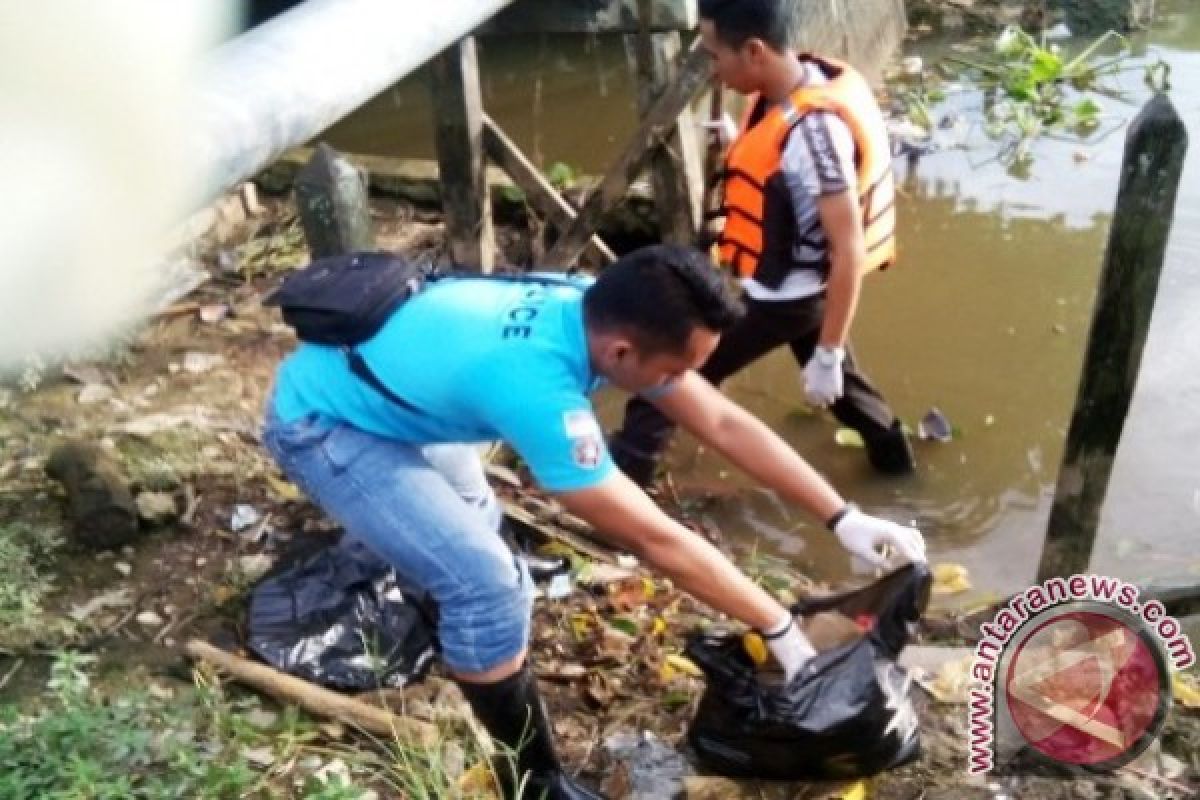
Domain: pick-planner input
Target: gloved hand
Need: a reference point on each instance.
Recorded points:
(864, 535)
(790, 647)
(823, 376)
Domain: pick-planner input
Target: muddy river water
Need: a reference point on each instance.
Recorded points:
(986, 319)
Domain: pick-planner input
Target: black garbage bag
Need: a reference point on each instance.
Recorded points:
(341, 618)
(846, 715)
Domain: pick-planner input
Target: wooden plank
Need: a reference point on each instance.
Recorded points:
(656, 126)
(675, 166)
(315, 699)
(596, 16)
(539, 193)
(458, 126)
(1154, 150)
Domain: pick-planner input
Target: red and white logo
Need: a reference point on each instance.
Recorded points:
(1086, 686)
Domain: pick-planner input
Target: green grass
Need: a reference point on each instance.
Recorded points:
(147, 742)
(26, 552)
(146, 745)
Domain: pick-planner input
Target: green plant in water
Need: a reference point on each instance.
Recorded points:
(1033, 88)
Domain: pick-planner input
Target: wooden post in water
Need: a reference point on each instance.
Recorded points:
(1154, 151)
(458, 115)
(331, 195)
(675, 165)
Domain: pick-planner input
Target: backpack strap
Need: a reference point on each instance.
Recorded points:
(358, 365)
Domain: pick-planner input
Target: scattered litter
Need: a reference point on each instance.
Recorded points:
(198, 363)
(989, 421)
(653, 768)
(1186, 688)
(261, 756)
(255, 566)
(935, 426)
(94, 393)
(243, 517)
(197, 417)
(123, 568)
(214, 313)
(118, 598)
(85, 374)
(949, 683)
(912, 66)
(627, 561)
(848, 437)
(1058, 32)
(597, 573)
(149, 619)
(284, 489)
(156, 508)
(559, 587)
(950, 579)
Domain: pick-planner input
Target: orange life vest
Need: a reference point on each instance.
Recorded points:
(754, 158)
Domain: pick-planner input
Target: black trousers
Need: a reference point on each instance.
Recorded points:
(646, 431)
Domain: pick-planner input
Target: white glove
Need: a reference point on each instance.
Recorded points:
(790, 647)
(864, 535)
(823, 376)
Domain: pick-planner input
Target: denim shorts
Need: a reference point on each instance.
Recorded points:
(429, 511)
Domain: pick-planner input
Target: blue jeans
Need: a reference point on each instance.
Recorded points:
(427, 510)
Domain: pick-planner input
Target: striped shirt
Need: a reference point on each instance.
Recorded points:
(817, 160)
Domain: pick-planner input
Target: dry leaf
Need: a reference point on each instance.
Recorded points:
(848, 437)
(950, 684)
(950, 579)
(684, 665)
(285, 490)
(1186, 688)
(478, 781)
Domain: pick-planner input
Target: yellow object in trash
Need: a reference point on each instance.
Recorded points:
(755, 647)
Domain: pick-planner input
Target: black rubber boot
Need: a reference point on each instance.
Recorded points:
(890, 453)
(637, 466)
(513, 714)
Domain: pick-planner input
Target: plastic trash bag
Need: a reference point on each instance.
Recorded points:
(848, 714)
(342, 619)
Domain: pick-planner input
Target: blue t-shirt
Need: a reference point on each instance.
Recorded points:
(480, 360)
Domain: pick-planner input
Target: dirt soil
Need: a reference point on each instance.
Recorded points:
(178, 407)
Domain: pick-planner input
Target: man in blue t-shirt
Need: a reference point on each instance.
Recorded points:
(477, 360)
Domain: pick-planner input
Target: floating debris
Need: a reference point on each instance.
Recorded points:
(935, 426)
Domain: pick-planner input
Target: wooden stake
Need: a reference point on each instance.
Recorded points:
(675, 164)
(458, 108)
(1137, 242)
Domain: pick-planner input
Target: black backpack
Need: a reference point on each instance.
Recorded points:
(343, 300)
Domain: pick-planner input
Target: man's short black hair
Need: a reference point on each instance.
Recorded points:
(736, 21)
(658, 295)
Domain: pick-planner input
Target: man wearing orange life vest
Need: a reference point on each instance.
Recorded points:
(808, 208)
